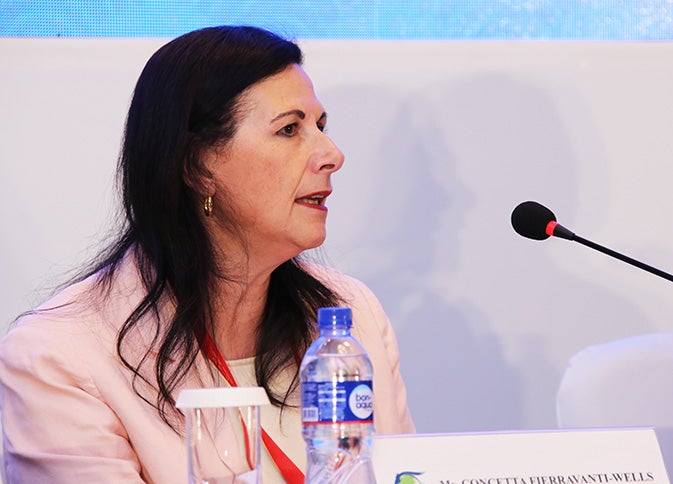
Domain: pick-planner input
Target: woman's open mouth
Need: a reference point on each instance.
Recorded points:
(316, 200)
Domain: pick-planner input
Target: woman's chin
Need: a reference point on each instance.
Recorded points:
(313, 242)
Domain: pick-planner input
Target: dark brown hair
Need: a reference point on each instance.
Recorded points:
(184, 102)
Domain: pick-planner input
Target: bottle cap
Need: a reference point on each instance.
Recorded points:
(335, 317)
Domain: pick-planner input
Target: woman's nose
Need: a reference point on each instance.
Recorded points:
(328, 158)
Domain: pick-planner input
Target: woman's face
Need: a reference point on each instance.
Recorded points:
(276, 169)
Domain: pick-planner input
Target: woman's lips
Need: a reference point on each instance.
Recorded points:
(314, 200)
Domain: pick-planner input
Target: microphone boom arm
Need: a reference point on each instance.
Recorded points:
(622, 257)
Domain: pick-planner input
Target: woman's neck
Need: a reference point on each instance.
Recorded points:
(238, 310)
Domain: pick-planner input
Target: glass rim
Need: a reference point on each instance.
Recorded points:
(222, 397)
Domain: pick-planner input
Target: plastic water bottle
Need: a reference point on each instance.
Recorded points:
(337, 404)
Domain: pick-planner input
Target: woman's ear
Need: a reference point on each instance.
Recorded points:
(199, 178)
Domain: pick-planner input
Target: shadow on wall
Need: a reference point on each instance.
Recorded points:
(452, 361)
(406, 186)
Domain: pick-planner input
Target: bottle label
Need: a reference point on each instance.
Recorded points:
(347, 401)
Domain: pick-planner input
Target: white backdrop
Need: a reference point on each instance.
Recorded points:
(443, 140)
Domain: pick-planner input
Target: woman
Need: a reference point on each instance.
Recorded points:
(224, 170)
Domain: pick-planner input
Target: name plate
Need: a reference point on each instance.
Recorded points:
(592, 456)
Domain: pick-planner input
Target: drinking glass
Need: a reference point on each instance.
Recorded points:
(223, 434)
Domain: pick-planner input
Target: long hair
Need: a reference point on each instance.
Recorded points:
(186, 101)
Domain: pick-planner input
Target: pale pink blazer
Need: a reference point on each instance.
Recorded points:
(69, 413)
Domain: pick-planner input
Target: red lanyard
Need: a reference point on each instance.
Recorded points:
(287, 468)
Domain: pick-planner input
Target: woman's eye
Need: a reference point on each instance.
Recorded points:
(289, 130)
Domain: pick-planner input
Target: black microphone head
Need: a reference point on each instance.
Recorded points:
(530, 219)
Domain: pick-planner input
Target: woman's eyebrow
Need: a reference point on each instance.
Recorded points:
(296, 112)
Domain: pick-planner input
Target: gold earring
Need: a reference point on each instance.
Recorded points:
(208, 205)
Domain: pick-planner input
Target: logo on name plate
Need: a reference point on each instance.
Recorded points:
(408, 477)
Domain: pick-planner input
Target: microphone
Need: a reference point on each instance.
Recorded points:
(535, 221)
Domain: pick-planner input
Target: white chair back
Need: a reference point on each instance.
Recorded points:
(624, 383)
